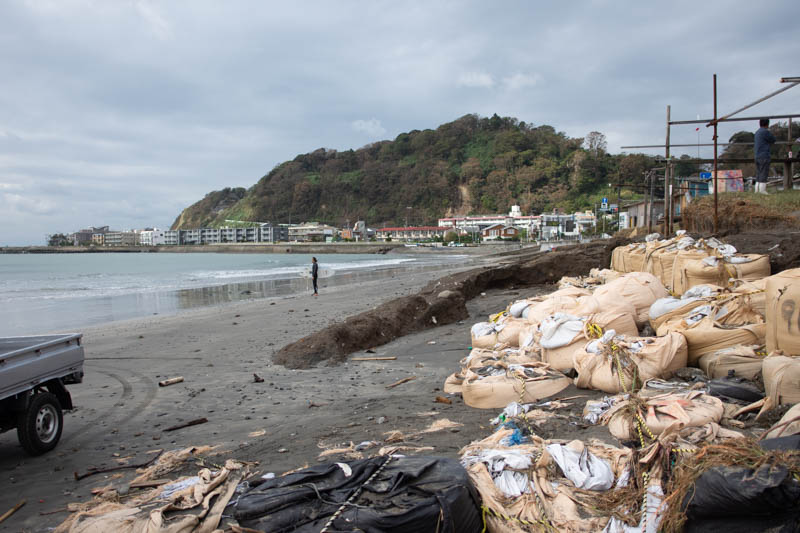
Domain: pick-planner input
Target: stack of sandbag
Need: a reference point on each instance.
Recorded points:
(783, 312)
(564, 300)
(732, 307)
(743, 361)
(662, 413)
(604, 275)
(561, 335)
(720, 271)
(628, 258)
(497, 385)
(660, 256)
(618, 363)
(639, 289)
(538, 482)
(782, 379)
(669, 307)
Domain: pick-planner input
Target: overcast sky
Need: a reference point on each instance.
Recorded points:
(122, 113)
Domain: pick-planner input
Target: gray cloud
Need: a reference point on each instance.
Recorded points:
(123, 113)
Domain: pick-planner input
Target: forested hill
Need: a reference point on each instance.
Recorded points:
(472, 165)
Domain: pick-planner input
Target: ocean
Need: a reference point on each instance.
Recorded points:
(42, 293)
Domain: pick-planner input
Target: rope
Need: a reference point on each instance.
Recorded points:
(353, 496)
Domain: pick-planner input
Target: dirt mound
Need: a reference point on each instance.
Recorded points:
(782, 247)
(441, 302)
(742, 212)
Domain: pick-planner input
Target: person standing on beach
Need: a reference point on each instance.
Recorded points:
(764, 139)
(314, 273)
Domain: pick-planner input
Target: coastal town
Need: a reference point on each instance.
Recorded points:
(478, 228)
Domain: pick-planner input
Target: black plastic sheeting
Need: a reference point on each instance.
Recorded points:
(411, 494)
(736, 388)
(736, 499)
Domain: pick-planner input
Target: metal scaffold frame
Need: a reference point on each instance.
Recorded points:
(714, 122)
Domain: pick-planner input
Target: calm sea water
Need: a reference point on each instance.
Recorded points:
(56, 292)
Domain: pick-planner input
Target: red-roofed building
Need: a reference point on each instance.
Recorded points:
(411, 233)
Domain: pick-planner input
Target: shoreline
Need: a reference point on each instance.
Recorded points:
(262, 248)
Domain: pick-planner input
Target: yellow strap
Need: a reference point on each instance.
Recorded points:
(594, 330)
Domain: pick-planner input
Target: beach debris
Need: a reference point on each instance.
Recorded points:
(400, 382)
(311, 404)
(386, 358)
(369, 350)
(194, 422)
(92, 471)
(257, 378)
(431, 342)
(282, 450)
(12, 510)
(442, 399)
(150, 484)
(170, 381)
(259, 433)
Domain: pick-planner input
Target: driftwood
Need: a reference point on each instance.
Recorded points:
(404, 380)
(187, 424)
(170, 381)
(93, 471)
(387, 358)
(12, 510)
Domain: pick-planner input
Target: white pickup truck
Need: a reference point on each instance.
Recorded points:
(33, 374)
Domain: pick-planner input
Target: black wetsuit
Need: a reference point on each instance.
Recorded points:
(314, 273)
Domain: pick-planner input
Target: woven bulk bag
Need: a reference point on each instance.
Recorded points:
(782, 379)
(452, 384)
(552, 305)
(659, 262)
(743, 361)
(497, 386)
(508, 330)
(748, 267)
(783, 312)
(598, 364)
(639, 289)
(754, 292)
(709, 336)
(707, 271)
(633, 258)
(604, 275)
(679, 283)
(616, 259)
(562, 335)
(662, 412)
(483, 335)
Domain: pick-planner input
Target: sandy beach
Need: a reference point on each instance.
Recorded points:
(121, 411)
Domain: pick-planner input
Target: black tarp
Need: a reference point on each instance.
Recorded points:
(736, 499)
(411, 494)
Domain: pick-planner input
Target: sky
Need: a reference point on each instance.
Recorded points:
(124, 112)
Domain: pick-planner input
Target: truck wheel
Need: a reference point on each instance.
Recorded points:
(39, 428)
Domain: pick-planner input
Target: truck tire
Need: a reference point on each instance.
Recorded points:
(39, 428)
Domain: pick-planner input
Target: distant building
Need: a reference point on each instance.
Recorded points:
(120, 238)
(86, 236)
(311, 232)
(499, 231)
(412, 233)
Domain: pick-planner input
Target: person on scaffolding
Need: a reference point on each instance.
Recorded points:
(764, 139)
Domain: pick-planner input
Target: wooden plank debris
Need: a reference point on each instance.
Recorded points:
(194, 422)
(404, 380)
(170, 381)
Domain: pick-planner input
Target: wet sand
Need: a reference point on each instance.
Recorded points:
(122, 412)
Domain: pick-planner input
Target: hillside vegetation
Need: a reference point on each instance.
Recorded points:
(472, 165)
